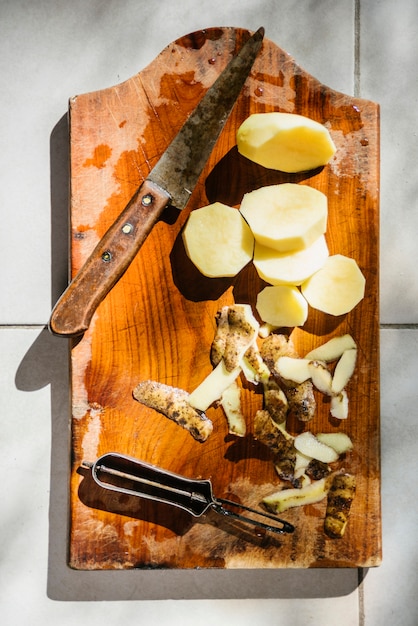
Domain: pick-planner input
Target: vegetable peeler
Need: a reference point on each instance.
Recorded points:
(170, 182)
(134, 477)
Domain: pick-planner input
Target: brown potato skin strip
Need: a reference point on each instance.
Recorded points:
(217, 349)
(267, 432)
(340, 497)
(301, 398)
(173, 403)
(275, 402)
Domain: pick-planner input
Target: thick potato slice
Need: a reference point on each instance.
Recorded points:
(286, 217)
(290, 268)
(337, 287)
(218, 240)
(285, 141)
(282, 306)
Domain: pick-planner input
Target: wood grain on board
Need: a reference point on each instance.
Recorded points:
(158, 322)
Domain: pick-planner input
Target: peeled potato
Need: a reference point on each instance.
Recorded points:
(291, 268)
(286, 217)
(282, 306)
(337, 287)
(218, 240)
(285, 141)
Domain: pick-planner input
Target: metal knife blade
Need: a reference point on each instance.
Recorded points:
(171, 181)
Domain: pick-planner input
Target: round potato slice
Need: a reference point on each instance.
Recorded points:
(286, 217)
(285, 141)
(291, 268)
(337, 287)
(218, 240)
(282, 306)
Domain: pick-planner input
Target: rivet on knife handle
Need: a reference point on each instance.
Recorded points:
(108, 261)
(170, 181)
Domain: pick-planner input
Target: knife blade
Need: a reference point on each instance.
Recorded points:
(170, 182)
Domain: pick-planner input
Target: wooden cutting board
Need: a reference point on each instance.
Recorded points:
(159, 320)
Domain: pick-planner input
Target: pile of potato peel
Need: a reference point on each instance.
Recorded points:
(306, 462)
(281, 230)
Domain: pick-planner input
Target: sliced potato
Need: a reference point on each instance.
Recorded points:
(339, 441)
(287, 498)
(282, 306)
(332, 349)
(212, 387)
(285, 141)
(290, 268)
(217, 240)
(337, 287)
(310, 446)
(344, 370)
(286, 217)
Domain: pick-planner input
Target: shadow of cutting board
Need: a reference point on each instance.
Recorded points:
(159, 320)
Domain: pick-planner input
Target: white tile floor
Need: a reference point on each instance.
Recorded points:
(51, 50)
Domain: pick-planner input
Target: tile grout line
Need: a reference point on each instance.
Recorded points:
(357, 48)
(360, 586)
(23, 326)
(398, 326)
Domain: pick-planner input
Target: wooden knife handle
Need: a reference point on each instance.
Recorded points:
(72, 314)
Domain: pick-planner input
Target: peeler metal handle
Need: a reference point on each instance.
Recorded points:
(134, 477)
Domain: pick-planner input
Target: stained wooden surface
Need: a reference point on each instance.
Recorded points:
(159, 320)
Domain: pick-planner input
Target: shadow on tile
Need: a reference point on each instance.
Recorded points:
(59, 185)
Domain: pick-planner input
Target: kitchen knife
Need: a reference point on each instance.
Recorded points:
(170, 182)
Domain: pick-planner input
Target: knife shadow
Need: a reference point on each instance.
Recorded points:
(232, 177)
(196, 287)
(235, 175)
